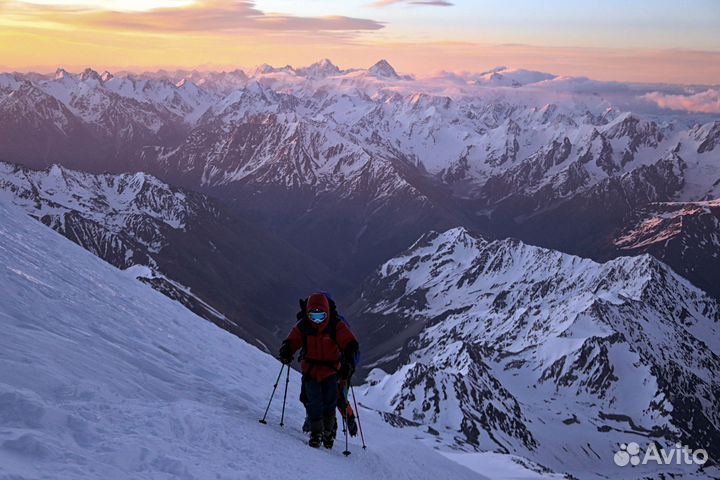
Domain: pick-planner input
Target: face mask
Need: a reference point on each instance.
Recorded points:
(317, 317)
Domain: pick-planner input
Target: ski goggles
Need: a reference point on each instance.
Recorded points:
(317, 316)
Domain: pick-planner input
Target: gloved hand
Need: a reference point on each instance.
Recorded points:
(285, 355)
(346, 370)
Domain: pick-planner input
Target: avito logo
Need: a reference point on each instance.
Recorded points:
(632, 454)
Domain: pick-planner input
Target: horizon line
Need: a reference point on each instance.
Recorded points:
(73, 69)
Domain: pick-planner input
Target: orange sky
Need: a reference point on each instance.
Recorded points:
(125, 34)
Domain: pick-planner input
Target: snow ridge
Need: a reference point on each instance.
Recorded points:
(114, 201)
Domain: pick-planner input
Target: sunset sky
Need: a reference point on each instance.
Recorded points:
(640, 40)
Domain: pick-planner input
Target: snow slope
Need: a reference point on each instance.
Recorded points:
(102, 377)
(135, 220)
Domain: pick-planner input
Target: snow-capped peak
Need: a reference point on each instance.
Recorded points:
(503, 76)
(60, 73)
(322, 69)
(267, 69)
(264, 68)
(433, 241)
(383, 69)
(90, 74)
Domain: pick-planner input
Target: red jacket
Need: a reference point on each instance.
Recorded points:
(321, 357)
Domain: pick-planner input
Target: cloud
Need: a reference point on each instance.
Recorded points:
(427, 3)
(702, 102)
(204, 16)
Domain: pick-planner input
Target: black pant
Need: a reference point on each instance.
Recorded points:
(321, 396)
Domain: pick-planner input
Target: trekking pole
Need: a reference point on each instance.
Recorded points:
(345, 430)
(357, 414)
(287, 381)
(282, 366)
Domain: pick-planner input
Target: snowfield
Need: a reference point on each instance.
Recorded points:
(102, 377)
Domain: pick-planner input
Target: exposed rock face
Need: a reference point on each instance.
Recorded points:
(685, 235)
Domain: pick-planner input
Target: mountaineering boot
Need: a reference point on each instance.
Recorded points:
(316, 439)
(329, 430)
(328, 440)
(352, 425)
(316, 433)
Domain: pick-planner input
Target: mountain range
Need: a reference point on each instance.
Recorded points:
(503, 346)
(350, 166)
